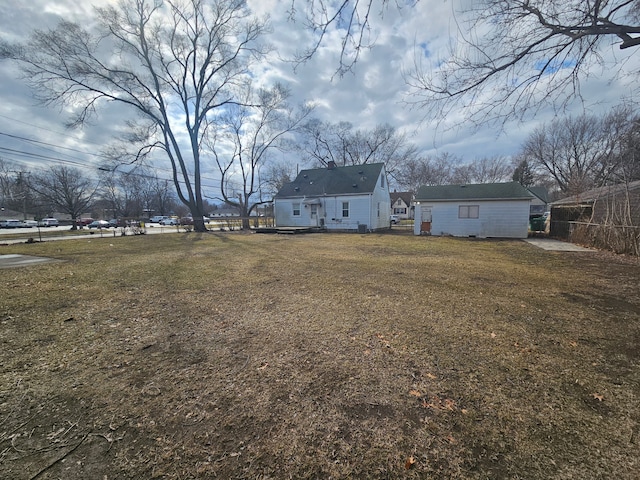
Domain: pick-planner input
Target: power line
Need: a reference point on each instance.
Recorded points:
(78, 163)
(30, 140)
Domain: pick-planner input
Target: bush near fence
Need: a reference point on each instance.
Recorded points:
(620, 239)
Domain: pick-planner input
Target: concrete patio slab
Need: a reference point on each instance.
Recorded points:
(555, 245)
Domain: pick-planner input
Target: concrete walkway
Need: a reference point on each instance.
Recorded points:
(555, 245)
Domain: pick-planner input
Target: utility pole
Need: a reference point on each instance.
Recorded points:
(22, 185)
(24, 196)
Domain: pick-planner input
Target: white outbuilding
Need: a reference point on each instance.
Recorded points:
(498, 210)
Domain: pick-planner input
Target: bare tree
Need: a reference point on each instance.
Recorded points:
(509, 56)
(629, 155)
(493, 169)
(523, 173)
(245, 139)
(324, 142)
(276, 175)
(173, 63)
(65, 189)
(580, 152)
(162, 199)
(622, 159)
(7, 184)
(429, 170)
(352, 17)
(512, 57)
(15, 193)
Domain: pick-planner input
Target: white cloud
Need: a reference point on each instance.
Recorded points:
(374, 93)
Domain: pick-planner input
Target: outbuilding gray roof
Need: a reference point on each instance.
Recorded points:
(353, 179)
(481, 191)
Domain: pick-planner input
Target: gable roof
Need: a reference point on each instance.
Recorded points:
(405, 196)
(594, 194)
(482, 191)
(540, 192)
(353, 179)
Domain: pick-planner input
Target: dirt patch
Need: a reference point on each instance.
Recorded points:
(319, 356)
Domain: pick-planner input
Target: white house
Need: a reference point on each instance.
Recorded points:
(498, 210)
(352, 198)
(402, 204)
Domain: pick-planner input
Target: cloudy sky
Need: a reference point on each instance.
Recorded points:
(375, 93)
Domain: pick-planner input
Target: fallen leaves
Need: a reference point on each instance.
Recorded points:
(411, 461)
(440, 404)
(383, 340)
(598, 397)
(435, 402)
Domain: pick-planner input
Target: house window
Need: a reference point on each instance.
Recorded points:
(400, 211)
(382, 181)
(345, 209)
(378, 209)
(296, 209)
(468, 211)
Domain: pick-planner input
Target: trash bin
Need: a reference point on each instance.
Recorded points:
(537, 224)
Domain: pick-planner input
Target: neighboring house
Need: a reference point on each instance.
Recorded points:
(540, 202)
(609, 205)
(225, 212)
(402, 204)
(336, 198)
(498, 210)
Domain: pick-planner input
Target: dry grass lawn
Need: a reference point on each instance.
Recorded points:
(240, 356)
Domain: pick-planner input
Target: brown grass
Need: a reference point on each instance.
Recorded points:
(318, 356)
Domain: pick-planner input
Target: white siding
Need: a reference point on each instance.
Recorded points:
(329, 209)
(380, 198)
(500, 219)
(283, 210)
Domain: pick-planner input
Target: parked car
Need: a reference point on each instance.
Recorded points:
(116, 222)
(29, 224)
(158, 218)
(83, 222)
(49, 222)
(170, 221)
(99, 224)
(186, 221)
(394, 219)
(13, 223)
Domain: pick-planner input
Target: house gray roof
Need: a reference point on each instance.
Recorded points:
(405, 196)
(594, 194)
(540, 192)
(353, 179)
(483, 191)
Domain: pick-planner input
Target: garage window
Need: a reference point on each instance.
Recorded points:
(468, 211)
